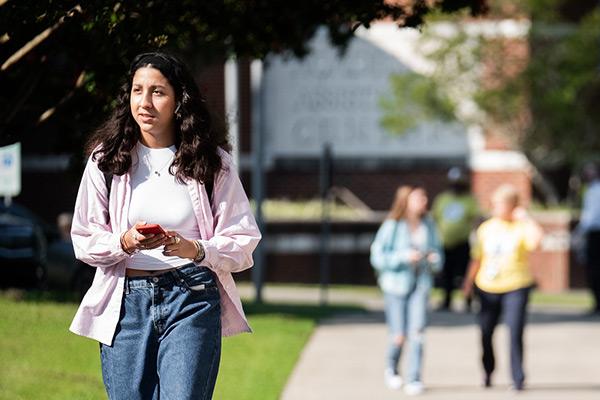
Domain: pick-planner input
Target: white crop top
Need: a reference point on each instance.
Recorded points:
(157, 198)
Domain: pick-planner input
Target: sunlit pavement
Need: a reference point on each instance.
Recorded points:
(345, 356)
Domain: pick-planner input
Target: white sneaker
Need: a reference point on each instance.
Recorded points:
(392, 380)
(414, 388)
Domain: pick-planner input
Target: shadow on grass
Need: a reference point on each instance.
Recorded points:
(305, 311)
(40, 296)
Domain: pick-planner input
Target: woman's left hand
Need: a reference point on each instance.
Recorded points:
(520, 213)
(433, 258)
(179, 246)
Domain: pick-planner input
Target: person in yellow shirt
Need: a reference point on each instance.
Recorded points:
(500, 272)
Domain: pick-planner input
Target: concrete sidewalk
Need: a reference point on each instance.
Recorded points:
(344, 359)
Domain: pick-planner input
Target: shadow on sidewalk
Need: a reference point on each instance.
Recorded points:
(456, 319)
(532, 388)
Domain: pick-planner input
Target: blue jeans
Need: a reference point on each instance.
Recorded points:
(406, 316)
(168, 341)
(514, 305)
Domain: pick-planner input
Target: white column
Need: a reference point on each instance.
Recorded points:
(232, 105)
(258, 172)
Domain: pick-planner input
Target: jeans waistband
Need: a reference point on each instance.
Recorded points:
(167, 279)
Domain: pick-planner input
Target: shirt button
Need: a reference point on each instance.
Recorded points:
(155, 279)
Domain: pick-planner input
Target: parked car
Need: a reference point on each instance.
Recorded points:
(64, 271)
(36, 254)
(22, 251)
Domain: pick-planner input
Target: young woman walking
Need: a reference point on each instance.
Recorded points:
(406, 253)
(162, 296)
(501, 276)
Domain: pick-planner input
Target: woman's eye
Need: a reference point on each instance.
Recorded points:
(158, 92)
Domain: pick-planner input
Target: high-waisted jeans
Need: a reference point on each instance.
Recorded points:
(407, 316)
(514, 306)
(168, 341)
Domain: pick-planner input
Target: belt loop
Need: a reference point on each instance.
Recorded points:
(127, 285)
(176, 274)
(178, 280)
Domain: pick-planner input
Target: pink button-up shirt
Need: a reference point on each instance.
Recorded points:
(228, 230)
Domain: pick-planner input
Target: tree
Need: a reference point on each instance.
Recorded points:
(61, 62)
(547, 108)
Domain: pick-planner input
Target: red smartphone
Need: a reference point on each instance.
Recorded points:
(147, 229)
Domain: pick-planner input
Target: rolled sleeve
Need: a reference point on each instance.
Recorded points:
(94, 242)
(236, 233)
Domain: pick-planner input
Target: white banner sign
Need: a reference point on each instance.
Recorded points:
(327, 98)
(10, 170)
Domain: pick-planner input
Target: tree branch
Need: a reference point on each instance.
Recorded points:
(50, 111)
(38, 39)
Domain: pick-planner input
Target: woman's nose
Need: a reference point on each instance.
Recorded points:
(146, 99)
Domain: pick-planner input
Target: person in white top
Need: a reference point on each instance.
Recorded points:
(160, 301)
(588, 230)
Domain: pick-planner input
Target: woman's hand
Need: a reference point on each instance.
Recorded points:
(133, 240)
(468, 283)
(520, 214)
(177, 245)
(414, 256)
(467, 288)
(433, 258)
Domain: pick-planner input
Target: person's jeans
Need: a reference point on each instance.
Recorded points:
(168, 341)
(407, 316)
(514, 305)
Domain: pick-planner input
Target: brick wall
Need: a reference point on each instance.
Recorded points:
(551, 265)
(485, 182)
(376, 188)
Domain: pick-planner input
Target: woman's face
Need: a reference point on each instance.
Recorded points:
(153, 103)
(502, 208)
(417, 202)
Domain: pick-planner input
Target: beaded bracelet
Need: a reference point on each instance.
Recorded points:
(200, 254)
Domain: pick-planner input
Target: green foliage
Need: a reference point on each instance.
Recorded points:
(416, 99)
(549, 109)
(564, 81)
(560, 87)
(99, 38)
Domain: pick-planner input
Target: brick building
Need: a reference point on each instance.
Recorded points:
(328, 98)
(325, 98)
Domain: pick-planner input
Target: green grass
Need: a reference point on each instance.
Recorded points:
(575, 298)
(308, 210)
(572, 299)
(41, 359)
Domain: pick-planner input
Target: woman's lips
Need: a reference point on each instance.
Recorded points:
(146, 117)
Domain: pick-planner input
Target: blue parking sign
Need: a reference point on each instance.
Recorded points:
(10, 170)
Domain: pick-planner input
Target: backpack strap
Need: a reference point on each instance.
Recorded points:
(389, 247)
(208, 186)
(108, 181)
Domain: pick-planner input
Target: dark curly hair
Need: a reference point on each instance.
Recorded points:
(196, 139)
